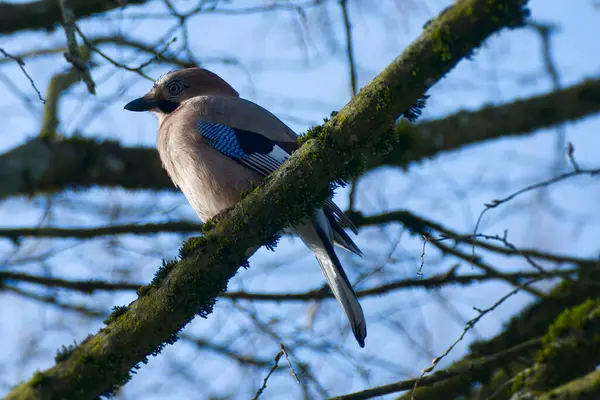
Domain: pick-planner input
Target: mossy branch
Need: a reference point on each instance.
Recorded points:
(584, 388)
(189, 286)
(570, 350)
(533, 321)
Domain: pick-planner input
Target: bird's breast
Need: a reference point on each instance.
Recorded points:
(209, 180)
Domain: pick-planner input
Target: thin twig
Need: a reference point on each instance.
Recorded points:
(273, 368)
(87, 287)
(74, 56)
(287, 357)
(468, 367)
(497, 202)
(546, 30)
(468, 326)
(349, 44)
(51, 300)
(21, 65)
(89, 44)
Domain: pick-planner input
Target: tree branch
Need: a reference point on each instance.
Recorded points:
(518, 118)
(435, 281)
(81, 162)
(586, 387)
(473, 369)
(110, 230)
(533, 321)
(44, 14)
(188, 287)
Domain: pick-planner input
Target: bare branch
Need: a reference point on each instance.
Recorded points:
(59, 83)
(468, 326)
(87, 287)
(88, 233)
(273, 368)
(74, 56)
(44, 14)
(51, 300)
(476, 367)
(349, 43)
(498, 202)
(21, 65)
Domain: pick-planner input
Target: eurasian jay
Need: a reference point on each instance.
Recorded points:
(214, 144)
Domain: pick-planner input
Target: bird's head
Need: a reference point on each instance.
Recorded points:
(171, 89)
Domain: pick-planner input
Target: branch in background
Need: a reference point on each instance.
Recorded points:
(570, 351)
(59, 83)
(576, 172)
(417, 225)
(51, 300)
(81, 163)
(41, 166)
(87, 287)
(21, 65)
(138, 70)
(586, 387)
(121, 41)
(349, 50)
(545, 31)
(533, 321)
(472, 369)
(521, 117)
(189, 287)
(88, 233)
(44, 14)
(421, 225)
(225, 351)
(436, 281)
(73, 55)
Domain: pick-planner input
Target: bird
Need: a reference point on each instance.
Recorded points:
(215, 144)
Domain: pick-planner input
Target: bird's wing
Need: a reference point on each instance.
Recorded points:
(254, 137)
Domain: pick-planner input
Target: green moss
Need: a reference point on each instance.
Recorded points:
(519, 381)
(163, 271)
(569, 349)
(143, 290)
(383, 97)
(311, 133)
(64, 352)
(38, 378)
(570, 320)
(442, 40)
(117, 311)
(191, 245)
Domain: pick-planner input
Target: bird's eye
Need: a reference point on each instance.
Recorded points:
(174, 88)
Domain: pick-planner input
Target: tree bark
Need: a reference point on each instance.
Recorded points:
(45, 14)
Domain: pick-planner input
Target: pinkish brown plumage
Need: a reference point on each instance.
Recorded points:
(215, 144)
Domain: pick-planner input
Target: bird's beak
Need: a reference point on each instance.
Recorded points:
(142, 104)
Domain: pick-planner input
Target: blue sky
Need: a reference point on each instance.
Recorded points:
(299, 73)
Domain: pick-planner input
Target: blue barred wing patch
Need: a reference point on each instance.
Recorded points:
(251, 149)
(223, 138)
